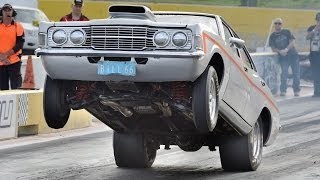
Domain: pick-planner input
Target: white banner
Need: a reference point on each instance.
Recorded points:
(8, 114)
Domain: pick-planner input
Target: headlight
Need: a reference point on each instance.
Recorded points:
(161, 39)
(179, 39)
(59, 37)
(77, 37)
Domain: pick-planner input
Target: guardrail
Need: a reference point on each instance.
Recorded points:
(268, 67)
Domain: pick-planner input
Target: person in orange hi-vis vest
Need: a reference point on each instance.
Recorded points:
(76, 14)
(11, 44)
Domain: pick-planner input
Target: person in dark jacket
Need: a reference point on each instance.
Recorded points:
(282, 42)
(76, 14)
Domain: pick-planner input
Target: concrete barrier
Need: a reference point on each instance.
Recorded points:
(268, 67)
(31, 119)
(8, 112)
(21, 113)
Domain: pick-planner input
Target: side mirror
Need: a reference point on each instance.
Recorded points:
(35, 23)
(239, 43)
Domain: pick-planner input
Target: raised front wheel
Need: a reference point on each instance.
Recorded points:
(205, 100)
(55, 107)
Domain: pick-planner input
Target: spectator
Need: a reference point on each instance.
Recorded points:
(76, 14)
(314, 37)
(11, 43)
(282, 42)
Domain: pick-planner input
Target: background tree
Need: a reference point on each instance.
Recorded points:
(250, 3)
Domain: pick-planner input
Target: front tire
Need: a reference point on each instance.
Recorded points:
(55, 107)
(243, 153)
(133, 150)
(205, 100)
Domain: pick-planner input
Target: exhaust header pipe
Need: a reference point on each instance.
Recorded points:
(123, 110)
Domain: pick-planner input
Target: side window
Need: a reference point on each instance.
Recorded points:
(227, 33)
(245, 57)
(212, 23)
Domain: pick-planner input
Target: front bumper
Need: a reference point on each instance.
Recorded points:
(161, 66)
(90, 52)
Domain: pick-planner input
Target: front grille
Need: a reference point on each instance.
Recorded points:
(88, 37)
(122, 37)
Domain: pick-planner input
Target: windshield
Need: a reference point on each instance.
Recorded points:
(189, 19)
(28, 16)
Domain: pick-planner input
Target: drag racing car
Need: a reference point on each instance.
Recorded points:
(160, 78)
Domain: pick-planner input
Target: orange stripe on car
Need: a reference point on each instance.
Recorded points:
(207, 37)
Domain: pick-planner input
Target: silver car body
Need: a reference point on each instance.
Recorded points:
(243, 95)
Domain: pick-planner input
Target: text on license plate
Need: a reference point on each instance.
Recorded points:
(115, 67)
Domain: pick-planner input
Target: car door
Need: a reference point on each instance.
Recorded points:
(258, 90)
(236, 93)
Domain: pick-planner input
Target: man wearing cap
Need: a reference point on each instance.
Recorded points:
(282, 42)
(76, 14)
(11, 44)
(314, 57)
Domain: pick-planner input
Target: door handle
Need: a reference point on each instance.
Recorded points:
(263, 83)
(245, 69)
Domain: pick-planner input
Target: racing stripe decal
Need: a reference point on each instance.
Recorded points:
(207, 37)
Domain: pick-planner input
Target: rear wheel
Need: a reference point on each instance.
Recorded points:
(243, 153)
(55, 107)
(133, 150)
(205, 100)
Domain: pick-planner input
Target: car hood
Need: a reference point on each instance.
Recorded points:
(28, 26)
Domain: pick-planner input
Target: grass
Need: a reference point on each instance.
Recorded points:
(290, 4)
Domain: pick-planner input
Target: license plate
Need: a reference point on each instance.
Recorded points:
(117, 68)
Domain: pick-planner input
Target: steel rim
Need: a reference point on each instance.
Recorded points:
(256, 142)
(212, 98)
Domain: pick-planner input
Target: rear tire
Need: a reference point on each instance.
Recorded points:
(133, 150)
(243, 153)
(55, 107)
(205, 100)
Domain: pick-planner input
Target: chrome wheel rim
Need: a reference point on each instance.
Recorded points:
(255, 142)
(212, 98)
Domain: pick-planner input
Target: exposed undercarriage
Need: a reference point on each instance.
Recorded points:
(147, 115)
(162, 110)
